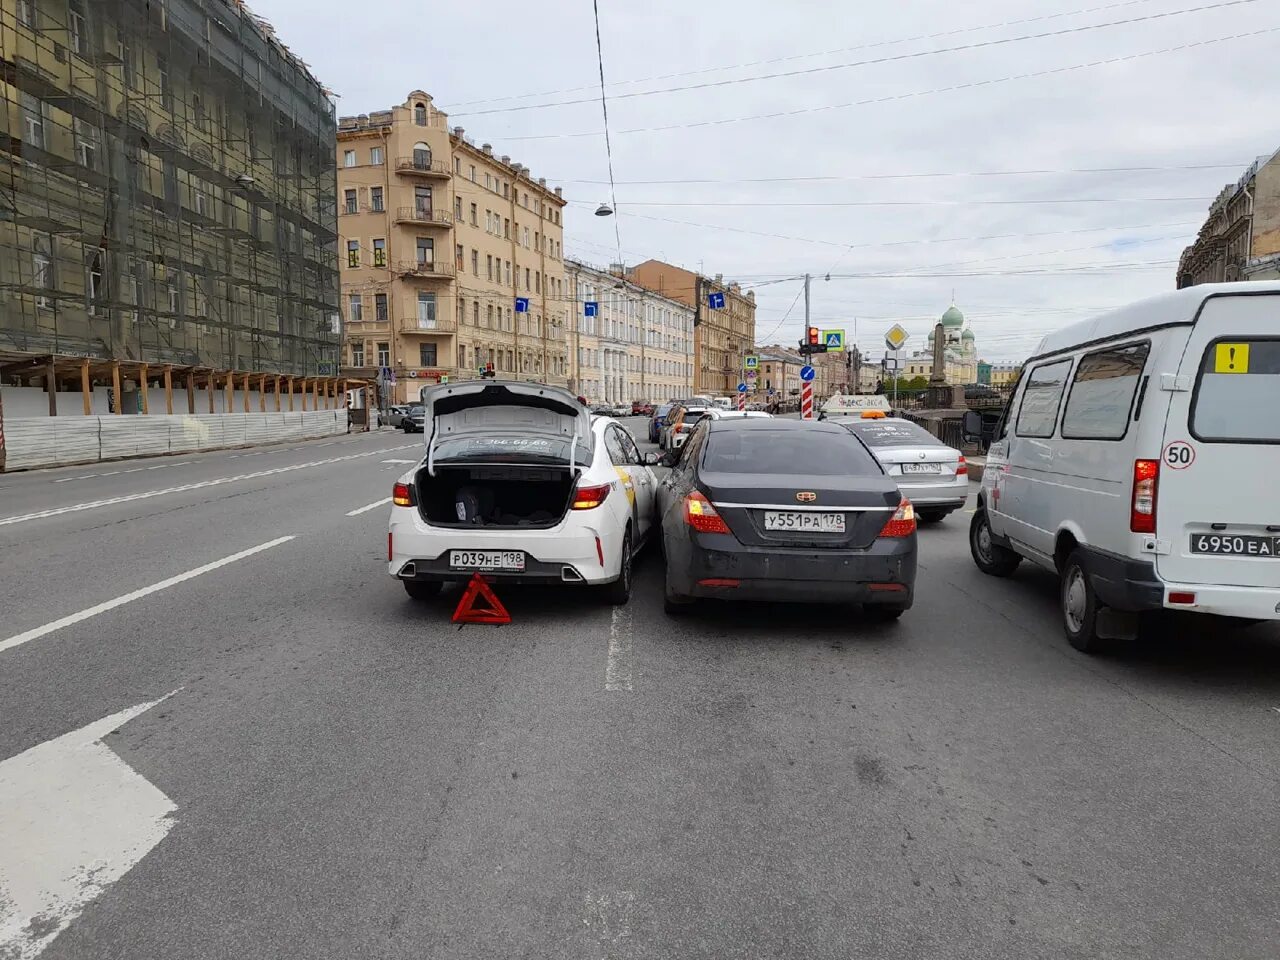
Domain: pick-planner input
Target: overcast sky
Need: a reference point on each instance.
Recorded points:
(1211, 105)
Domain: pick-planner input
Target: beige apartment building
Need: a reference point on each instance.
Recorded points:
(723, 335)
(451, 257)
(628, 342)
(1240, 238)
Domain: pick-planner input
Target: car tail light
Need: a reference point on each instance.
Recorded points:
(903, 521)
(702, 516)
(588, 498)
(963, 469)
(402, 495)
(1142, 513)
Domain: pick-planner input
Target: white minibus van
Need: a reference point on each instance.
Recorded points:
(1139, 457)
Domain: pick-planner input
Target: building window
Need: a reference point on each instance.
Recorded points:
(506, 190)
(353, 253)
(201, 204)
(525, 243)
(354, 304)
(421, 156)
(488, 266)
(79, 37)
(26, 13)
(357, 354)
(475, 313)
(375, 156)
(526, 279)
(426, 310)
(349, 199)
(86, 144)
(33, 121)
(537, 282)
(197, 112)
(166, 89)
(506, 228)
(426, 251)
(41, 266)
(462, 356)
(427, 354)
(375, 199)
(488, 316)
(459, 258)
(420, 114)
(457, 209)
(379, 252)
(473, 173)
(380, 307)
(422, 200)
(349, 158)
(475, 262)
(384, 354)
(506, 271)
(475, 220)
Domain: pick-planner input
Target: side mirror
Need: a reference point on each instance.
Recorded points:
(653, 458)
(971, 426)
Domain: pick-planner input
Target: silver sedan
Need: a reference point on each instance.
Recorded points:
(932, 475)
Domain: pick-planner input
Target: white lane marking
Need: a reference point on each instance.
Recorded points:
(617, 670)
(198, 485)
(400, 461)
(76, 819)
(74, 618)
(369, 506)
(136, 470)
(166, 466)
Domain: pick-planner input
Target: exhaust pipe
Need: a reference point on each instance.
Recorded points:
(570, 575)
(409, 570)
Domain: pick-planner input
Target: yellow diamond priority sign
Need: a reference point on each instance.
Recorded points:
(896, 337)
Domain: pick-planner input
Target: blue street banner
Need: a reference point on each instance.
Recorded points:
(522, 304)
(591, 308)
(715, 301)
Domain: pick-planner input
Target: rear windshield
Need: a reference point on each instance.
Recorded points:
(511, 450)
(891, 433)
(1239, 392)
(693, 416)
(811, 453)
(663, 410)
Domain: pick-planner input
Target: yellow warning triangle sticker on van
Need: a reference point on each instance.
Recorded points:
(1231, 358)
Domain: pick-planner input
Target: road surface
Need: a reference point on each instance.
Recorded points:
(225, 732)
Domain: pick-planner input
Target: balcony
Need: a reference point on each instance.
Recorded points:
(421, 327)
(416, 216)
(425, 269)
(433, 169)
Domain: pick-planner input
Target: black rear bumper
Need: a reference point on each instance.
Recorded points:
(1121, 583)
(718, 566)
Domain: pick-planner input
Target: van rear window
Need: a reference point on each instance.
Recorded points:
(1238, 393)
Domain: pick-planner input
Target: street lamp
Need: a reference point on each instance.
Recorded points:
(604, 210)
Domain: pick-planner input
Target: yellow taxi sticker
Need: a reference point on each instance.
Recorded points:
(1231, 358)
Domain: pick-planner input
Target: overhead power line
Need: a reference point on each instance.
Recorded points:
(875, 61)
(604, 109)
(916, 176)
(914, 94)
(901, 203)
(806, 56)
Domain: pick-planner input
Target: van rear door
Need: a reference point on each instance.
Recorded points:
(1216, 502)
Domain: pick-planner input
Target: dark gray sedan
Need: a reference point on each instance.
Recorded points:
(784, 510)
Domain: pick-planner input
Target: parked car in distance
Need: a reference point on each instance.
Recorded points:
(521, 483)
(1137, 460)
(784, 510)
(391, 417)
(602, 410)
(411, 419)
(621, 410)
(641, 408)
(723, 403)
(932, 475)
(656, 421)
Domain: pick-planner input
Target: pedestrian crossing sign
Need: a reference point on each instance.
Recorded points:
(834, 339)
(751, 362)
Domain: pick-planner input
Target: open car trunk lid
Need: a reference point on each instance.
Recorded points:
(496, 422)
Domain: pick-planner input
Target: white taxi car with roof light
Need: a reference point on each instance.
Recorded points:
(519, 482)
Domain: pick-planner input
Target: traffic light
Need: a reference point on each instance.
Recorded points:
(815, 336)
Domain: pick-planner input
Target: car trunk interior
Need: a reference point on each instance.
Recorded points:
(476, 495)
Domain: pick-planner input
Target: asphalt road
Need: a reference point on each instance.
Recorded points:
(348, 775)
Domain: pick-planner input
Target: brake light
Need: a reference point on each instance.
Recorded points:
(1142, 513)
(402, 495)
(588, 498)
(963, 469)
(903, 521)
(702, 516)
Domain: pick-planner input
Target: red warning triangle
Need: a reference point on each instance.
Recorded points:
(478, 588)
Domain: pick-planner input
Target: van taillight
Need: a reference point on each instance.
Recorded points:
(1142, 513)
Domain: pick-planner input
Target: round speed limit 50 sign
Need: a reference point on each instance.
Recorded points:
(1178, 455)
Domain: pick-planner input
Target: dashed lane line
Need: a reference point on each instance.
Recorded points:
(369, 506)
(183, 488)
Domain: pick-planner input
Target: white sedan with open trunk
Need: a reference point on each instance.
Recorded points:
(519, 483)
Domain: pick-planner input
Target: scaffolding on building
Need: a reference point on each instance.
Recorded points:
(167, 191)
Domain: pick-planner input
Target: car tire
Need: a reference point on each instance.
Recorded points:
(991, 558)
(880, 613)
(422, 590)
(619, 591)
(1079, 606)
(932, 516)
